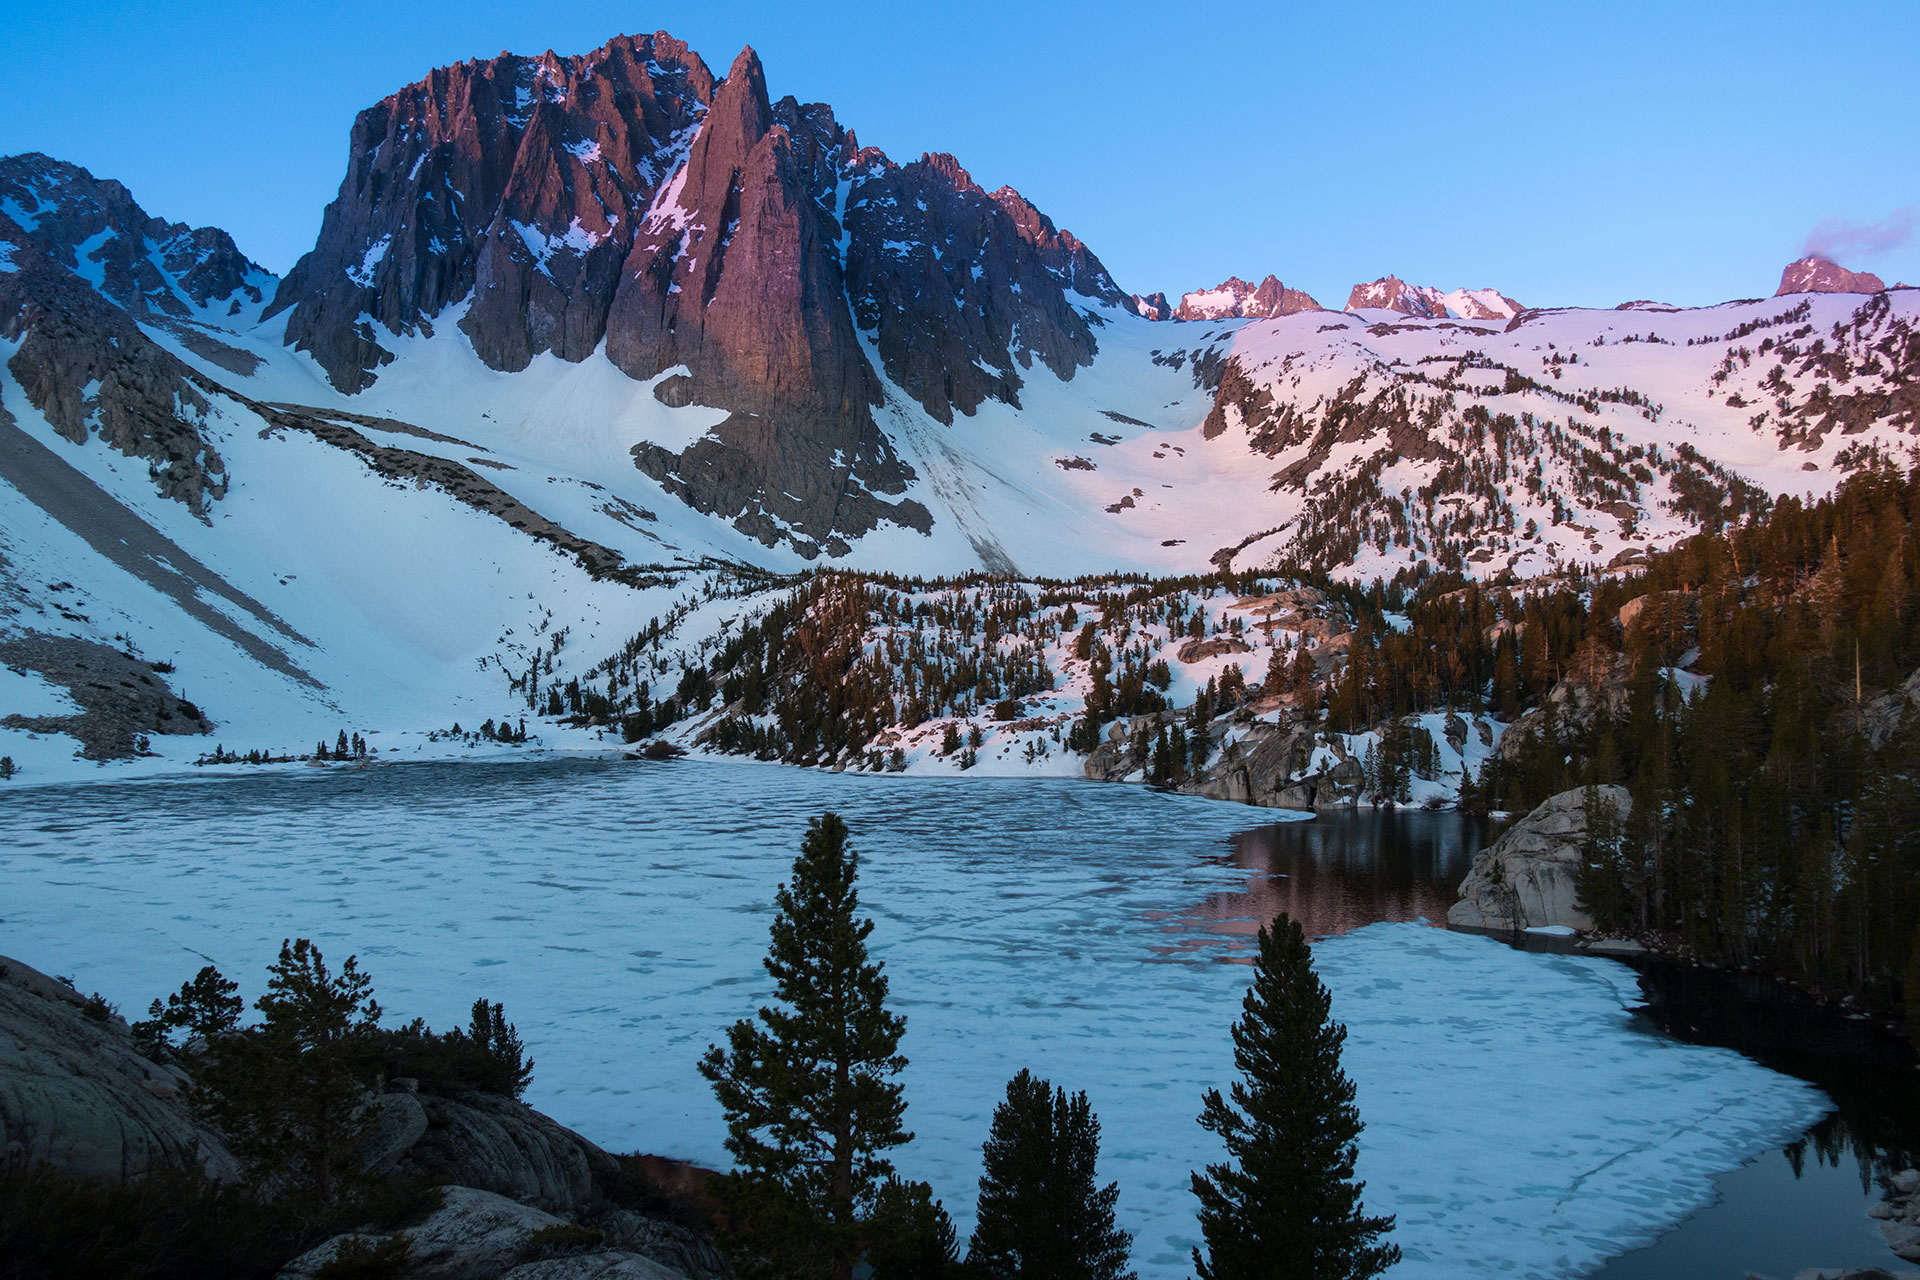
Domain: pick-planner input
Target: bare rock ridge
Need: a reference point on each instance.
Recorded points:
(1390, 293)
(85, 268)
(1235, 298)
(694, 226)
(1818, 275)
(92, 226)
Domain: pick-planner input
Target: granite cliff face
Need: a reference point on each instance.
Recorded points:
(752, 252)
(735, 279)
(516, 181)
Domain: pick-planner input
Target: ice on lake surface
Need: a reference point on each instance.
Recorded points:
(1520, 1121)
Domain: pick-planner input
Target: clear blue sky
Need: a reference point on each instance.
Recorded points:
(1564, 153)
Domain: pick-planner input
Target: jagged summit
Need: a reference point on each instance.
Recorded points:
(147, 265)
(1234, 297)
(1814, 274)
(627, 202)
(514, 181)
(1151, 306)
(86, 277)
(1390, 293)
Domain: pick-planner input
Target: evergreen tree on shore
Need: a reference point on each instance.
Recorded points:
(808, 1087)
(290, 1094)
(1042, 1211)
(1287, 1207)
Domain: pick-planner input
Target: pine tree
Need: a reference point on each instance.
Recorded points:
(1913, 991)
(1287, 1207)
(1601, 878)
(204, 1008)
(808, 1089)
(912, 1236)
(1042, 1213)
(500, 1039)
(290, 1093)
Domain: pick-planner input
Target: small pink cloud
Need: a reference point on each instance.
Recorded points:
(1836, 238)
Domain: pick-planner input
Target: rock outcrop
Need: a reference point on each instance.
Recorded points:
(77, 1098)
(1425, 302)
(1899, 1214)
(499, 1145)
(1819, 275)
(1270, 766)
(1886, 715)
(1152, 306)
(120, 698)
(1526, 878)
(1235, 298)
(731, 250)
(478, 1235)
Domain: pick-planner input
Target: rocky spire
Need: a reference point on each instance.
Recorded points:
(516, 180)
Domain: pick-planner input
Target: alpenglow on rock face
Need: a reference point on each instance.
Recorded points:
(627, 201)
(1525, 879)
(1391, 293)
(1234, 297)
(511, 180)
(1818, 275)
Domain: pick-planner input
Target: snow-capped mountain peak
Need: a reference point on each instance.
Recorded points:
(1814, 274)
(1390, 293)
(1235, 298)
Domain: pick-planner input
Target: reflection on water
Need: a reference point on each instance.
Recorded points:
(1802, 1206)
(1805, 1205)
(1345, 870)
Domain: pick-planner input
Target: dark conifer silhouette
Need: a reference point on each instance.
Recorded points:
(808, 1087)
(1042, 1211)
(1286, 1206)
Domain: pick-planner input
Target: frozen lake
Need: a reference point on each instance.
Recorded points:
(1520, 1120)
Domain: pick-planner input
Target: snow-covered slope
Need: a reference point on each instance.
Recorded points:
(190, 477)
(1558, 436)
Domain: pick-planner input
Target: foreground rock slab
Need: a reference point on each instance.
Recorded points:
(76, 1097)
